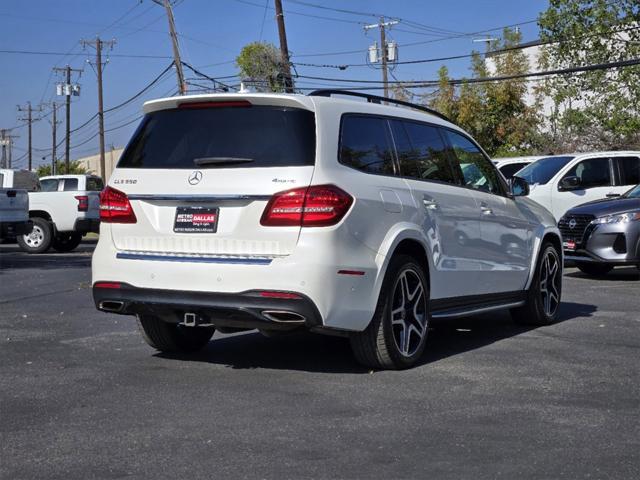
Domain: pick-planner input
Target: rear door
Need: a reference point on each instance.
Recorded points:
(447, 213)
(506, 227)
(199, 178)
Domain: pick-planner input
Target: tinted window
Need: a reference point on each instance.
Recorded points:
(593, 172)
(629, 170)
(510, 169)
(94, 184)
(422, 153)
(477, 170)
(365, 144)
(268, 136)
(1, 179)
(633, 193)
(543, 170)
(70, 184)
(49, 185)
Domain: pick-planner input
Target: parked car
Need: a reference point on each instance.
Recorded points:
(509, 166)
(66, 208)
(601, 235)
(14, 213)
(14, 202)
(280, 212)
(562, 182)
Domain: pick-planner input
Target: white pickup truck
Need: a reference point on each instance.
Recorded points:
(14, 202)
(65, 209)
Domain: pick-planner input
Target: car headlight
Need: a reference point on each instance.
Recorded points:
(619, 218)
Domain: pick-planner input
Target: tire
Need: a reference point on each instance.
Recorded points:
(594, 269)
(171, 337)
(396, 337)
(545, 293)
(66, 242)
(40, 238)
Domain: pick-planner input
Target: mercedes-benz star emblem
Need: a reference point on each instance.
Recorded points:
(572, 223)
(195, 177)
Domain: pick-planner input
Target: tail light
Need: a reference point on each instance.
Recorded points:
(315, 206)
(115, 207)
(83, 203)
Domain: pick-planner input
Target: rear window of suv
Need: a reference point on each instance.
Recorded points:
(254, 136)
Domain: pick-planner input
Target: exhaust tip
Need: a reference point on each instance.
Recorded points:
(111, 305)
(283, 316)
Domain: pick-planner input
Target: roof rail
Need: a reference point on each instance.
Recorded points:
(377, 99)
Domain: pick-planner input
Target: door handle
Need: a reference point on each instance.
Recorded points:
(429, 204)
(485, 209)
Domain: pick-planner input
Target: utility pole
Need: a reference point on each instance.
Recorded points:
(384, 52)
(29, 119)
(182, 84)
(284, 49)
(6, 140)
(54, 124)
(98, 45)
(67, 89)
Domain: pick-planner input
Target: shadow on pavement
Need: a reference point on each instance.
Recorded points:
(12, 258)
(619, 274)
(318, 353)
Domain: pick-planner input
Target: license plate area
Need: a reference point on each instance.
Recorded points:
(196, 220)
(569, 245)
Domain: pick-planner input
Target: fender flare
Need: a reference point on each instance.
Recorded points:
(539, 235)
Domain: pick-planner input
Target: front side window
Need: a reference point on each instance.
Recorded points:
(70, 184)
(594, 172)
(511, 169)
(477, 170)
(629, 168)
(365, 144)
(422, 153)
(49, 185)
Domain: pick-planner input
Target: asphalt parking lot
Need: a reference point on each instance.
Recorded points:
(81, 395)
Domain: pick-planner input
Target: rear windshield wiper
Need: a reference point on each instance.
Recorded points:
(220, 160)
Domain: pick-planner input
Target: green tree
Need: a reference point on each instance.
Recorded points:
(74, 168)
(596, 109)
(261, 62)
(495, 113)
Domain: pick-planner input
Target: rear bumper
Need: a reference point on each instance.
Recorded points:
(241, 310)
(13, 229)
(86, 225)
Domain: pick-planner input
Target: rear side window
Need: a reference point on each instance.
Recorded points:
(255, 136)
(477, 170)
(365, 144)
(629, 168)
(94, 184)
(422, 153)
(70, 185)
(594, 172)
(49, 185)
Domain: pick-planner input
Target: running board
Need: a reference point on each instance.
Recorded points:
(475, 304)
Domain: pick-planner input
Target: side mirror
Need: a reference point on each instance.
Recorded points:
(569, 183)
(519, 187)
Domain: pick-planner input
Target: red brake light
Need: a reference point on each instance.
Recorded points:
(234, 103)
(115, 207)
(83, 203)
(284, 295)
(315, 206)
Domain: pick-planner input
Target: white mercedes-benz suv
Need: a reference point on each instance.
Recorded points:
(338, 215)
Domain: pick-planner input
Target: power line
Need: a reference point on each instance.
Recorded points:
(435, 83)
(121, 55)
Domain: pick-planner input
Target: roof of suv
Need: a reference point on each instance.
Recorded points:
(297, 101)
